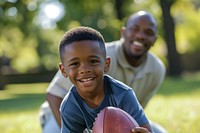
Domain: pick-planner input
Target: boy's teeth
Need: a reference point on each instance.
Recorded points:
(84, 80)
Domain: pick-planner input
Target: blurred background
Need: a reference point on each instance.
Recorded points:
(30, 31)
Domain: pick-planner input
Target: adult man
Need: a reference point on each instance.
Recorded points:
(131, 63)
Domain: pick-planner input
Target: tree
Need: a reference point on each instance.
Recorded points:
(173, 56)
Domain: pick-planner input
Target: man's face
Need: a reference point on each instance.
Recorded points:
(139, 35)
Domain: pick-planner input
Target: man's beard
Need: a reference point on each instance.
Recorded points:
(136, 57)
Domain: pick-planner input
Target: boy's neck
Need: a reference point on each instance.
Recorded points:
(93, 101)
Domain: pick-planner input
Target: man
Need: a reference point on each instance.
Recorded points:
(131, 63)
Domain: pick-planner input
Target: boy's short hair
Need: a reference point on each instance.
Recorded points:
(80, 34)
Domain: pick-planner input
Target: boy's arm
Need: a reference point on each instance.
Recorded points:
(54, 103)
(133, 107)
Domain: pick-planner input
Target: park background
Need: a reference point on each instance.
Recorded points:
(30, 31)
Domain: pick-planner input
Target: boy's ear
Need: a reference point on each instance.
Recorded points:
(107, 65)
(62, 69)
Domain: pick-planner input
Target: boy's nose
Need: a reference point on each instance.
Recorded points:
(85, 69)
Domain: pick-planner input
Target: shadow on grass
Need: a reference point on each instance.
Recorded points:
(177, 86)
(22, 102)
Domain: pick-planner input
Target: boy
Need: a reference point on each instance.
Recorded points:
(84, 61)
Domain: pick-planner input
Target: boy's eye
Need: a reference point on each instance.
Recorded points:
(74, 64)
(94, 61)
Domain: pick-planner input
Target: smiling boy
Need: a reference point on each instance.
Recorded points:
(84, 61)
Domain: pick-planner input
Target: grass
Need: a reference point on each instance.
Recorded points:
(176, 106)
(19, 107)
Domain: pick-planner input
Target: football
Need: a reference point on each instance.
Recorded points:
(113, 120)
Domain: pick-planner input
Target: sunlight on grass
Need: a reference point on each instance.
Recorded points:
(12, 90)
(26, 88)
(19, 107)
(6, 95)
(176, 106)
(20, 123)
(176, 114)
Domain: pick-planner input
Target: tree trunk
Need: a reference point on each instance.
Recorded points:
(168, 23)
(118, 7)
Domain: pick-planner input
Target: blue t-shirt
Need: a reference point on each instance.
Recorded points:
(76, 115)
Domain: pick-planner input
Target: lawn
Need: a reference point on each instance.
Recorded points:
(19, 107)
(176, 106)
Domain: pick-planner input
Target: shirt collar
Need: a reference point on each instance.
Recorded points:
(121, 57)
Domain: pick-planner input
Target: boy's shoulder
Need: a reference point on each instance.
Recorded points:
(119, 92)
(68, 99)
(116, 85)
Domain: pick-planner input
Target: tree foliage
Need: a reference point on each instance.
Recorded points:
(17, 32)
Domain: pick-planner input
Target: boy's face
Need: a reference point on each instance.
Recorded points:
(84, 63)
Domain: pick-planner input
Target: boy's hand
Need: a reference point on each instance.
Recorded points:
(140, 130)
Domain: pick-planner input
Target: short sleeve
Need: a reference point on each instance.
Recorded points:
(60, 85)
(132, 106)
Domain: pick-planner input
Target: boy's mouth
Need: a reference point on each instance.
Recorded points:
(86, 79)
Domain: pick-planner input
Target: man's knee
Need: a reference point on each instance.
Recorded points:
(47, 120)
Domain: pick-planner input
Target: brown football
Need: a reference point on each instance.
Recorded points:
(113, 120)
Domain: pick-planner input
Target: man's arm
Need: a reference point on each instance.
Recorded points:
(56, 91)
(54, 103)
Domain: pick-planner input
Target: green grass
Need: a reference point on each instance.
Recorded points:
(176, 106)
(19, 107)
